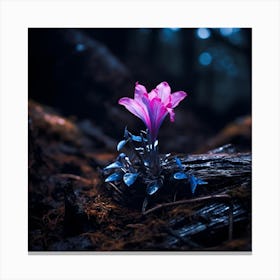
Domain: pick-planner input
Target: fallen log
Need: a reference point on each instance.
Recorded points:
(219, 213)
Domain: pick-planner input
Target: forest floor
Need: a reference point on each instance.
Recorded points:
(71, 209)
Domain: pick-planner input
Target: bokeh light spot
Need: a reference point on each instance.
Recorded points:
(80, 47)
(175, 29)
(203, 33)
(228, 31)
(205, 58)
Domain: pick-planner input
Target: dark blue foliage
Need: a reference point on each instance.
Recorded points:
(127, 170)
(126, 133)
(114, 177)
(121, 156)
(130, 178)
(180, 176)
(153, 188)
(121, 144)
(179, 163)
(141, 157)
(193, 183)
(116, 164)
(136, 138)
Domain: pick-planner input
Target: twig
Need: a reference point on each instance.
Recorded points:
(75, 177)
(116, 189)
(186, 201)
(144, 205)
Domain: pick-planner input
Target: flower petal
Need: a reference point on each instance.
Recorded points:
(177, 97)
(157, 114)
(164, 92)
(153, 94)
(171, 114)
(139, 91)
(153, 107)
(136, 108)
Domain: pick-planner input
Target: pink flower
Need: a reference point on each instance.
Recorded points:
(153, 107)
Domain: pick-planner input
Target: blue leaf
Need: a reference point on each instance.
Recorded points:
(114, 177)
(121, 156)
(136, 138)
(115, 164)
(153, 188)
(121, 145)
(180, 176)
(179, 163)
(193, 182)
(130, 178)
(196, 181)
(126, 132)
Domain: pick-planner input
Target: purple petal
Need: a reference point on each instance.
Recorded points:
(164, 92)
(171, 114)
(139, 91)
(177, 97)
(157, 114)
(153, 94)
(152, 108)
(136, 108)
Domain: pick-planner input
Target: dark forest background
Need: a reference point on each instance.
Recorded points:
(81, 73)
